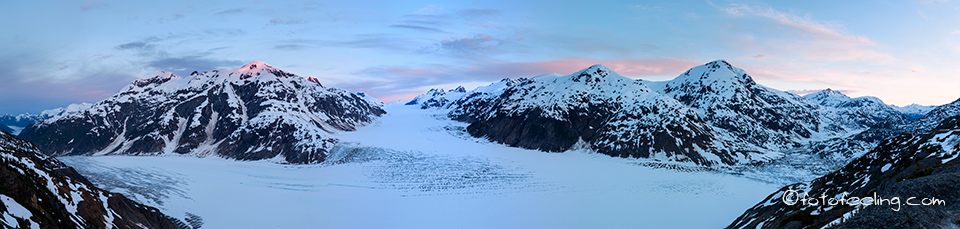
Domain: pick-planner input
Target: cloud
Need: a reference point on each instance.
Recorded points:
(811, 91)
(812, 40)
(420, 28)
(478, 43)
(289, 21)
(185, 64)
(290, 46)
(477, 13)
(91, 4)
(230, 11)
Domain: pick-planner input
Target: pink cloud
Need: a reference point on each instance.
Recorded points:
(812, 40)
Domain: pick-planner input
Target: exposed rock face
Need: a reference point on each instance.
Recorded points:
(935, 116)
(252, 113)
(38, 191)
(615, 115)
(727, 98)
(884, 125)
(910, 165)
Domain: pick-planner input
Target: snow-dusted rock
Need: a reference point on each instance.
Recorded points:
(38, 191)
(910, 165)
(615, 115)
(252, 113)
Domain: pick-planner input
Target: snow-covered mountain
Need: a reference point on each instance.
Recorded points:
(15, 123)
(38, 191)
(913, 111)
(726, 97)
(935, 116)
(860, 112)
(252, 113)
(437, 97)
(601, 110)
(910, 165)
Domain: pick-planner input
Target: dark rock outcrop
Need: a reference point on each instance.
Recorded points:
(612, 114)
(39, 191)
(910, 165)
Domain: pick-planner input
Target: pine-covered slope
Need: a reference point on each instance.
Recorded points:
(38, 191)
(252, 113)
(910, 165)
(611, 114)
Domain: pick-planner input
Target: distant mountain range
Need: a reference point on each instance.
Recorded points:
(256, 112)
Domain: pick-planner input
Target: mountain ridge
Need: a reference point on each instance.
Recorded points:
(256, 112)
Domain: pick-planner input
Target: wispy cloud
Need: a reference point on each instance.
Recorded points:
(287, 21)
(183, 65)
(419, 28)
(230, 11)
(478, 13)
(813, 40)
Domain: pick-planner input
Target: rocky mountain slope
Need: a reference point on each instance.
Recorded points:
(599, 109)
(923, 166)
(38, 191)
(913, 111)
(861, 112)
(729, 99)
(252, 113)
(13, 124)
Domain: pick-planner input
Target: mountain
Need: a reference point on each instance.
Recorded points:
(862, 112)
(15, 123)
(922, 165)
(38, 191)
(728, 98)
(876, 120)
(601, 110)
(935, 116)
(437, 98)
(253, 113)
(913, 111)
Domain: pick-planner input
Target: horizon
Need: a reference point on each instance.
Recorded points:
(900, 52)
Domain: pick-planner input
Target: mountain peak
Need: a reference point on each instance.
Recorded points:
(831, 92)
(716, 71)
(256, 65)
(824, 94)
(719, 63)
(594, 73)
(313, 79)
(460, 89)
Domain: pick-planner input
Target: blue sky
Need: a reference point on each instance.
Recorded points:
(68, 51)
